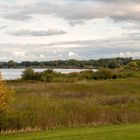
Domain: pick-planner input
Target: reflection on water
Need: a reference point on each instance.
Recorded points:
(11, 74)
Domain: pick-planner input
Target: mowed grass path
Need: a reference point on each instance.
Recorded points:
(122, 132)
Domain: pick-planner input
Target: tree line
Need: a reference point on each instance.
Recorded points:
(72, 63)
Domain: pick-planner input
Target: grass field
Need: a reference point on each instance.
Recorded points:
(64, 105)
(122, 132)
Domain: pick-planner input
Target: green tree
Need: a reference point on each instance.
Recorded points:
(47, 75)
(104, 73)
(138, 63)
(113, 64)
(133, 64)
(11, 64)
(28, 74)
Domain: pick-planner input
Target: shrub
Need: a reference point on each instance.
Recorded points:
(124, 74)
(113, 64)
(49, 75)
(88, 74)
(36, 76)
(138, 63)
(28, 74)
(132, 64)
(104, 73)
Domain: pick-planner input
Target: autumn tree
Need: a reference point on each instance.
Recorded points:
(5, 95)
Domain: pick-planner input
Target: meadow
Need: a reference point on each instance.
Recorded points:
(41, 106)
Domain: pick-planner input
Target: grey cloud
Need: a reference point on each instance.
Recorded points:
(17, 16)
(87, 49)
(3, 27)
(33, 33)
(73, 10)
(134, 35)
(129, 43)
(118, 10)
(76, 22)
(118, 0)
(106, 1)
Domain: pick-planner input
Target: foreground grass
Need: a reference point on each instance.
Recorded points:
(122, 132)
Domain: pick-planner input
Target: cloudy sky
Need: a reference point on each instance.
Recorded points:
(69, 29)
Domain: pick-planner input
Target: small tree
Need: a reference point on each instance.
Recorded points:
(133, 64)
(48, 75)
(104, 73)
(28, 74)
(11, 64)
(5, 95)
(113, 64)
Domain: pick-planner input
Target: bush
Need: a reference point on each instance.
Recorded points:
(125, 74)
(28, 74)
(36, 76)
(88, 74)
(113, 64)
(138, 63)
(132, 64)
(104, 73)
(50, 76)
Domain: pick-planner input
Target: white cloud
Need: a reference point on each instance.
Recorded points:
(25, 2)
(126, 54)
(54, 52)
(19, 53)
(87, 29)
(71, 54)
(42, 56)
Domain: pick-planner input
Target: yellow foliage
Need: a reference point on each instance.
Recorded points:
(5, 95)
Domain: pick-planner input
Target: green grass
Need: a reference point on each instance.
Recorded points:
(122, 132)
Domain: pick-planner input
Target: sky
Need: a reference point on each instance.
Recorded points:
(43, 30)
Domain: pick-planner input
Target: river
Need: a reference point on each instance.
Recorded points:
(12, 74)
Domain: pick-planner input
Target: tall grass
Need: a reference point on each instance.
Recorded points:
(52, 105)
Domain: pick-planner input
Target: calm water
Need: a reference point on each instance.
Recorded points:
(11, 74)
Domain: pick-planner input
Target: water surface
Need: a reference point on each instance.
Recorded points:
(11, 74)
